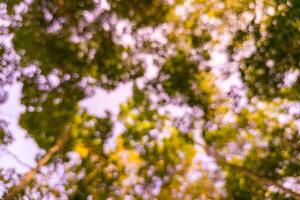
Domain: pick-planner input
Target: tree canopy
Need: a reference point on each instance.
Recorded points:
(214, 105)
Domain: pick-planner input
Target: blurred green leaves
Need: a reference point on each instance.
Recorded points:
(178, 119)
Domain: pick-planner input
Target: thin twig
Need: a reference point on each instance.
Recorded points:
(17, 158)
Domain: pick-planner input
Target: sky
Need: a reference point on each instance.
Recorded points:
(23, 147)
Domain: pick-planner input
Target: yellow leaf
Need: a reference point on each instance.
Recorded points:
(82, 150)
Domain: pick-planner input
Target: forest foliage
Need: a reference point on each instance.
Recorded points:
(191, 129)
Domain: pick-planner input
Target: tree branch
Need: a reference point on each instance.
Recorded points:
(249, 173)
(30, 175)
